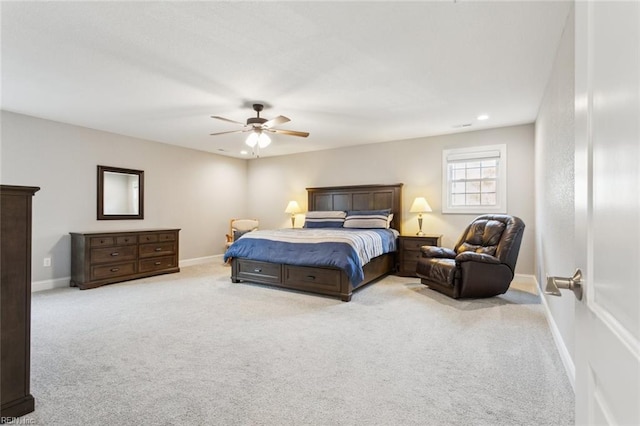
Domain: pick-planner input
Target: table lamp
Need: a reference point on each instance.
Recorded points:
(420, 206)
(293, 208)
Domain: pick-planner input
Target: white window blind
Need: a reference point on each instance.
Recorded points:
(474, 180)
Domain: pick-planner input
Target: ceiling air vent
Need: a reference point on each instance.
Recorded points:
(459, 126)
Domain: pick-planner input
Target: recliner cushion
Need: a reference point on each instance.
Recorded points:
(441, 271)
(483, 237)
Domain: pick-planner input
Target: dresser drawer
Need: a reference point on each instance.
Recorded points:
(258, 271)
(167, 236)
(101, 241)
(157, 264)
(113, 270)
(148, 238)
(113, 254)
(408, 267)
(327, 279)
(122, 240)
(158, 249)
(411, 256)
(414, 243)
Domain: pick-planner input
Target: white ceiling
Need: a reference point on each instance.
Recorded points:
(350, 73)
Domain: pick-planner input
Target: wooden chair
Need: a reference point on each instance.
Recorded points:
(239, 227)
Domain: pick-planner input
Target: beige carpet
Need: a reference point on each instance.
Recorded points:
(194, 349)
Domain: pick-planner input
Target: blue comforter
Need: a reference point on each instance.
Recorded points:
(347, 249)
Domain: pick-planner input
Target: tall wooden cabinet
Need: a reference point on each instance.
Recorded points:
(15, 300)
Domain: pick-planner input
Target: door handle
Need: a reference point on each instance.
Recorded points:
(574, 283)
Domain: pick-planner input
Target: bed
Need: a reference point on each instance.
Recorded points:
(329, 280)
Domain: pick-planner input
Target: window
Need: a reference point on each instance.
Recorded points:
(474, 180)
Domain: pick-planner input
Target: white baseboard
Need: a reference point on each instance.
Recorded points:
(528, 280)
(49, 284)
(64, 282)
(201, 260)
(567, 361)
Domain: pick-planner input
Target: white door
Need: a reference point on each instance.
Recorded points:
(607, 355)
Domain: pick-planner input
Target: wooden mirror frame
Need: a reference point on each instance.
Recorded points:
(101, 204)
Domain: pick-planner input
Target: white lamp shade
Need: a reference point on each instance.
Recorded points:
(420, 205)
(292, 207)
(263, 140)
(258, 138)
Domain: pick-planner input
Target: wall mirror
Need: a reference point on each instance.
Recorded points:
(120, 193)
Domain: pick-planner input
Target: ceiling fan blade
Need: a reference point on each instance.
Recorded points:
(230, 131)
(290, 132)
(226, 119)
(281, 119)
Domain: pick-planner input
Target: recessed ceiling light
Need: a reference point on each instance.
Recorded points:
(243, 152)
(483, 117)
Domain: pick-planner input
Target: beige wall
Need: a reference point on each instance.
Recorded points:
(417, 163)
(199, 192)
(555, 183)
(195, 191)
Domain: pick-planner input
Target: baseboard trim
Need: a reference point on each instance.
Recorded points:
(50, 284)
(527, 279)
(567, 361)
(200, 260)
(64, 282)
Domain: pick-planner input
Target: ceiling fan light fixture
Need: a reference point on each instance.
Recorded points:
(257, 137)
(263, 140)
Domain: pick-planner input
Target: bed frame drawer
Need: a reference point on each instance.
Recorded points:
(253, 270)
(313, 278)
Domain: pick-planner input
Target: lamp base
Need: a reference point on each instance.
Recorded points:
(420, 233)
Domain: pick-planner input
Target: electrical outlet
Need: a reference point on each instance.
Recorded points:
(47, 262)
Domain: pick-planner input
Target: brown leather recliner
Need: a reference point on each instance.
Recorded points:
(483, 262)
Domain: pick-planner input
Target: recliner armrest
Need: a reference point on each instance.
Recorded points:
(469, 256)
(440, 252)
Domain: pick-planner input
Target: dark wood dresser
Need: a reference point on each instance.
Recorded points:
(99, 258)
(409, 251)
(15, 305)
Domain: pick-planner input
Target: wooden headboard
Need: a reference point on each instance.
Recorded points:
(359, 197)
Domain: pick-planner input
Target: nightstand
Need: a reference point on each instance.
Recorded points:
(409, 251)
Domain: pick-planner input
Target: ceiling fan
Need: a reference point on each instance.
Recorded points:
(259, 126)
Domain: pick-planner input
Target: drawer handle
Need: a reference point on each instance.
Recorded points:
(115, 269)
(126, 240)
(158, 263)
(158, 248)
(257, 270)
(115, 253)
(311, 277)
